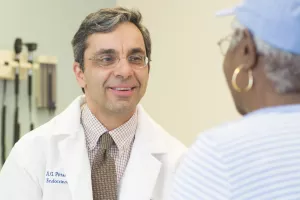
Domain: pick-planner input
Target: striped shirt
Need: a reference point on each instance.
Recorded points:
(123, 137)
(257, 157)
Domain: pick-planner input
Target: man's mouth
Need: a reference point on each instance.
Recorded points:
(122, 88)
(122, 91)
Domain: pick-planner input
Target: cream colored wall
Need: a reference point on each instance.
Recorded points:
(187, 92)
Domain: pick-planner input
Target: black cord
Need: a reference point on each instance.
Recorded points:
(3, 125)
(16, 118)
(30, 94)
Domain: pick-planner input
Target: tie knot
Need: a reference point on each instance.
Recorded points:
(106, 141)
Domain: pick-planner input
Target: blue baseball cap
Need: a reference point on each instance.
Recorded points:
(277, 22)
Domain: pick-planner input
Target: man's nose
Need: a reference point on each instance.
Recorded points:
(123, 69)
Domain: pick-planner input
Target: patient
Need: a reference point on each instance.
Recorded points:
(258, 156)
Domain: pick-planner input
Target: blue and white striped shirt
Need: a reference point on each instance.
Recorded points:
(257, 157)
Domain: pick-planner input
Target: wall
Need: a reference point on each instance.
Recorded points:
(52, 24)
(187, 91)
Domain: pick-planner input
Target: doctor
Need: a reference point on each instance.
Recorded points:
(104, 146)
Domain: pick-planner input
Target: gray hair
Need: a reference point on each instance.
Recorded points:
(103, 21)
(281, 67)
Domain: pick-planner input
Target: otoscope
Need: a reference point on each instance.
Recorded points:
(31, 47)
(17, 128)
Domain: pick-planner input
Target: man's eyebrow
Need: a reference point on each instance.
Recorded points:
(105, 51)
(136, 50)
(113, 51)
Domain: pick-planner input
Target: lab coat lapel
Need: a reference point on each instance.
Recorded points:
(73, 150)
(77, 167)
(143, 168)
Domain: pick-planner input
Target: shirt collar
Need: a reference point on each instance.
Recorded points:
(93, 128)
(276, 109)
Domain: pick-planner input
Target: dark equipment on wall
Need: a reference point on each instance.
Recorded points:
(3, 121)
(17, 127)
(31, 47)
(40, 72)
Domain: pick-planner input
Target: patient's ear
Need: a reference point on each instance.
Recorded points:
(247, 50)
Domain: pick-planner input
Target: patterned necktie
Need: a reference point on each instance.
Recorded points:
(104, 176)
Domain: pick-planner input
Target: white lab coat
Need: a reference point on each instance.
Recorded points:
(51, 162)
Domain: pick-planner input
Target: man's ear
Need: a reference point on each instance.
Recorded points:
(248, 50)
(79, 74)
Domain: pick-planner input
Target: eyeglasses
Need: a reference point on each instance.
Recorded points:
(224, 44)
(110, 61)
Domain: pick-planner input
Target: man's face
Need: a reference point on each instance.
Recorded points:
(118, 89)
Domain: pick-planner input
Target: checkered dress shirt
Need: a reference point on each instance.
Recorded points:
(123, 137)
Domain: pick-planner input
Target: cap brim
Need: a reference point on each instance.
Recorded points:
(226, 12)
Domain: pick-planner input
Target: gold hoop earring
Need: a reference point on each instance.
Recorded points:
(234, 76)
